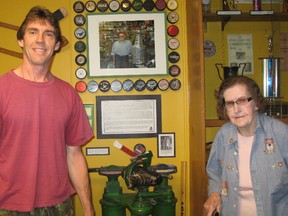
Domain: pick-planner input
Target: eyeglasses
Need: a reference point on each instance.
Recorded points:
(240, 102)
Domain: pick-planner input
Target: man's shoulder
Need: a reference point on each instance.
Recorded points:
(63, 83)
(4, 77)
(64, 86)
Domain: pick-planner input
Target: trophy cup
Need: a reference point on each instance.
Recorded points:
(257, 10)
(271, 72)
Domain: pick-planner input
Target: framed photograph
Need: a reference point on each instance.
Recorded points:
(134, 116)
(166, 145)
(127, 44)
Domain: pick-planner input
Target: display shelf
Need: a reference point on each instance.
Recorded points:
(245, 17)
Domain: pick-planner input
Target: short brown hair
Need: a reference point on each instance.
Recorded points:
(39, 13)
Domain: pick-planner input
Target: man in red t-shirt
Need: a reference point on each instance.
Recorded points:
(43, 125)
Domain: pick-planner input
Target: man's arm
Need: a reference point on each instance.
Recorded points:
(78, 173)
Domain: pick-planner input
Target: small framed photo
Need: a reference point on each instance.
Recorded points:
(166, 145)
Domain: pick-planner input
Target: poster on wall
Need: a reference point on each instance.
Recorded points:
(240, 51)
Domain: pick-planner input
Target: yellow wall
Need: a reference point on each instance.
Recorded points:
(175, 112)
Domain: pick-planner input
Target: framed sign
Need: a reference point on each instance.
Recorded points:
(137, 41)
(166, 145)
(134, 116)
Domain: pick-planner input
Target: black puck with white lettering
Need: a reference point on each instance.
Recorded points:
(173, 57)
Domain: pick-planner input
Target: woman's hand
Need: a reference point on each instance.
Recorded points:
(213, 202)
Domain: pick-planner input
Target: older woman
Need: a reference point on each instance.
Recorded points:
(247, 166)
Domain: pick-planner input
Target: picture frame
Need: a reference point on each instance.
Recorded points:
(125, 116)
(147, 29)
(89, 108)
(166, 145)
(97, 151)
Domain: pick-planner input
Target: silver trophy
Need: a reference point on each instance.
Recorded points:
(270, 43)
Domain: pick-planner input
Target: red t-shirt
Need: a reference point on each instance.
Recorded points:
(37, 121)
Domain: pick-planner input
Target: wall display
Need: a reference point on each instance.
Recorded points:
(89, 108)
(79, 20)
(174, 70)
(80, 46)
(166, 145)
(149, 5)
(125, 5)
(80, 33)
(209, 48)
(102, 33)
(92, 86)
(173, 30)
(81, 73)
(90, 6)
(128, 116)
(116, 85)
(140, 85)
(139, 149)
(128, 85)
(102, 5)
(172, 5)
(78, 6)
(163, 84)
(173, 17)
(173, 43)
(173, 57)
(80, 59)
(151, 85)
(81, 86)
(114, 5)
(146, 58)
(137, 5)
(97, 151)
(160, 5)
(175, 84)
(104, 86)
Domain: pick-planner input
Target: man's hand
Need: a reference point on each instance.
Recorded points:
(212, 203)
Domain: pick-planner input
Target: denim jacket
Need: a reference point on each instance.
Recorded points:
(268, 165)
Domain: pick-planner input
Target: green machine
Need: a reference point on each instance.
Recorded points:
(153, 195)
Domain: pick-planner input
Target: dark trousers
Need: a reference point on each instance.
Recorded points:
(122, 61)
